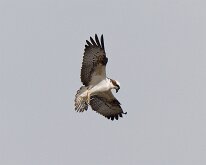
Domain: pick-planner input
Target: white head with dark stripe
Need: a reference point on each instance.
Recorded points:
(115, 85)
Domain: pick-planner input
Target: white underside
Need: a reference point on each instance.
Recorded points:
(102, 86)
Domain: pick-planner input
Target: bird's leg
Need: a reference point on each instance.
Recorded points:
(88, 97)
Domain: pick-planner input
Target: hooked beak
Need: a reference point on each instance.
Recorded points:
(117, 88)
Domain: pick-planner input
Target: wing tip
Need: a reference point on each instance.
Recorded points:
(88, 43)
(102, 41)
(116, 116)
(98, 42)
(93, 42)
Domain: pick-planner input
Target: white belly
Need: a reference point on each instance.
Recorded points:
(100, 87)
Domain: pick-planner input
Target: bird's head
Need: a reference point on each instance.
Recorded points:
(115, 85)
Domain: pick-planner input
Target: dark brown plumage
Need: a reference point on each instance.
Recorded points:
(94, 55)
(107, 105)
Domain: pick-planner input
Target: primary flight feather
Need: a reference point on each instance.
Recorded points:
(96, 91)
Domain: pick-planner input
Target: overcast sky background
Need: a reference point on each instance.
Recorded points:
(156, 49)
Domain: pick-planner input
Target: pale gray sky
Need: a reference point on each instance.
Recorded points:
(156, 49)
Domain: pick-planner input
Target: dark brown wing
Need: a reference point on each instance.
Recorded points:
(107, 105)
(94, 62)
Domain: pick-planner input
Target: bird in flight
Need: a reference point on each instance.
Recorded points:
(96, 89)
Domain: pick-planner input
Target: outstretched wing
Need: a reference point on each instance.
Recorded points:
(94, 62)
(107, 105)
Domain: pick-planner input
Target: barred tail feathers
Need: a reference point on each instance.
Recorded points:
(80, 102)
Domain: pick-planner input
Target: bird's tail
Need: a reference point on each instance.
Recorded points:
(80, 102)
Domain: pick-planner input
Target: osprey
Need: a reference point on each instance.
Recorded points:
(96, 91)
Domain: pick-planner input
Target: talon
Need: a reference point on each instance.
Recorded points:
(88, 97)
